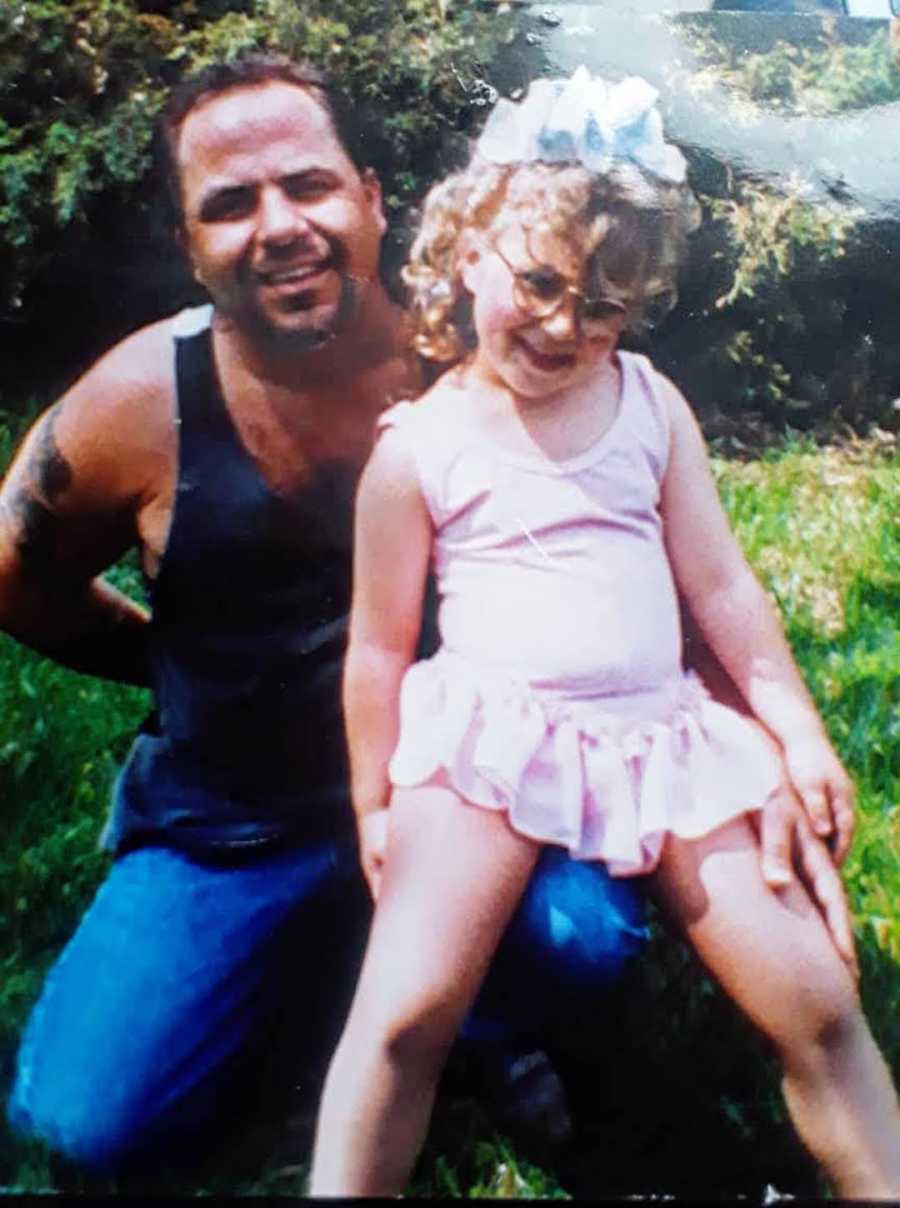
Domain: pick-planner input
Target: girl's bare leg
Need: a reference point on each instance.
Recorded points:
(772, 954)
(453, 876)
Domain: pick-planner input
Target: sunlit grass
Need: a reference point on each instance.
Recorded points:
(821, 529)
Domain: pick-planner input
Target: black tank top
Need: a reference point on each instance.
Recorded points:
(246, 747)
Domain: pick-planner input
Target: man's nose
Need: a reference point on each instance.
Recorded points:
(281, 220)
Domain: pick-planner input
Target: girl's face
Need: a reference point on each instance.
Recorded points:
(538, 332)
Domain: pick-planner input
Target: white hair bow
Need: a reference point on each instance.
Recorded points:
(583, 120)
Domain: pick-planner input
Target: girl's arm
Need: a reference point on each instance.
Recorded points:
(392, 544)
(788, 846)
(742, 628)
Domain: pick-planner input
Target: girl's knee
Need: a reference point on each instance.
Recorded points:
(820, 1015)
(418, 1033)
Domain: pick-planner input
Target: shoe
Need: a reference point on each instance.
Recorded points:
(529, 1099)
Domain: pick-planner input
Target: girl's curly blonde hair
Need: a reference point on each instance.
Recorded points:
(634, 227)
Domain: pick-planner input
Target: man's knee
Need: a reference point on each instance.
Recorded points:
(126, 1113)
(577, 922)
(571, 938)
(97, 1136)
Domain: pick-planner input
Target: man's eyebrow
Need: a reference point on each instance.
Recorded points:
(218, 191)
(298, 172)
(214, 192)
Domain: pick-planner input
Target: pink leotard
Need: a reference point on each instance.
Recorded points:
(558, 692)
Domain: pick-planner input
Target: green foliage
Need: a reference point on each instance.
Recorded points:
(826, 77)
(777, 246)
(485, 1170)
(81, 84)
(79, 89)
(770, 232)
(61, 739)
(786, 334)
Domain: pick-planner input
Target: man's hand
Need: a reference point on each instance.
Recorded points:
(372, 830)
(824, 789)
(790, 848)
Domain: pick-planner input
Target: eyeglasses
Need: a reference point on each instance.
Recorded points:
(541, 291)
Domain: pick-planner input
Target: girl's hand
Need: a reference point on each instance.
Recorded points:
(372, 830)
(825, 790)
(789, 848)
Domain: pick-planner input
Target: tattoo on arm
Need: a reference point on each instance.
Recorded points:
(53, 599)
(40, 533)
(49, 468)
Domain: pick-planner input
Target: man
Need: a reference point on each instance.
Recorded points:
(225, 445)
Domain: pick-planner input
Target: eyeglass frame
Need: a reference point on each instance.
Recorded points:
(585, 323)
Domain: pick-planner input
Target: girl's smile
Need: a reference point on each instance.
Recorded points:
(544, 360)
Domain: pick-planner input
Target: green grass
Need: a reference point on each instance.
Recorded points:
(670, 1089)
(820, 528)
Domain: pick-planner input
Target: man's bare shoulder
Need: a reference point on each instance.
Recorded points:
(136, 375)
(118, 419)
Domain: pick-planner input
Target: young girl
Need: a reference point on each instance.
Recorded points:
(561, 491)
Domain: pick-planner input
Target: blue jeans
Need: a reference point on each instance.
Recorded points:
(182, 972)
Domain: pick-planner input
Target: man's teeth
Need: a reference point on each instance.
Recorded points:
(292, 274)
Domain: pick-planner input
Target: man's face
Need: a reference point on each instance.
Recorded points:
(281, 228)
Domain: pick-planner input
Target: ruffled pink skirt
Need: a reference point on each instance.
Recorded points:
(606, 777)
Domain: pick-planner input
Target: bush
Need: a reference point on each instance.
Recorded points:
(80, 86)
(794, 291)
(826, 77)
(795, 287)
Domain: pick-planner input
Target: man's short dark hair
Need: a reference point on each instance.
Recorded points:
(244, 72)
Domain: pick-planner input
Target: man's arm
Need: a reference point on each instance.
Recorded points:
(74, 501)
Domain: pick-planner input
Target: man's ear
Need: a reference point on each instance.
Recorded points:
(179, 234)
(372, 187)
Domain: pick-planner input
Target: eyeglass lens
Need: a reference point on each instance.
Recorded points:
(541, 292)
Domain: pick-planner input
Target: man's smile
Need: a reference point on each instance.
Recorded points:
(297, 274)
